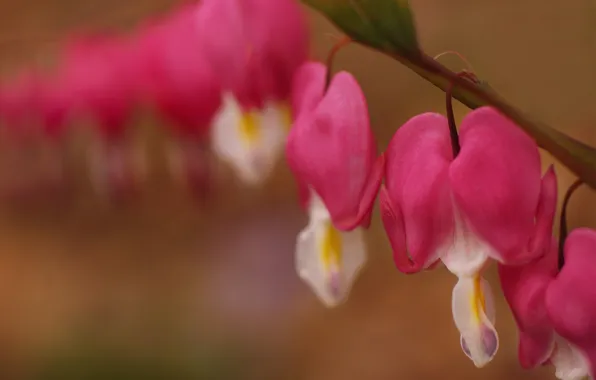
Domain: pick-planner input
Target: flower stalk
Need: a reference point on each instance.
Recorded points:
(563, 231)
(331, 57)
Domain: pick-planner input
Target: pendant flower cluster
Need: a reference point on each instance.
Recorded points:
(218, 73)
(461, 198)
(233, 76)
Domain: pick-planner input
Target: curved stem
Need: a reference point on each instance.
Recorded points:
(455, 146)
(563, 221)
(337, 47)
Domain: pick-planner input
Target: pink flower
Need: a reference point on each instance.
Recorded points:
(19, 101)
(98, 73)
(524, 288)
(96, 70)
(489, 202)
(180, 83)
(255, 47)
(553, 310)
(308, 90)
(332, 152)
(183, 87)
(55, 107)
(34, 166)
(571, 304)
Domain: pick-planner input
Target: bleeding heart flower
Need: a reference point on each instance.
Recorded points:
(182, 86)
(543, 314)
(571, 305)
(487, 203)
(18, 99)
(332, 152)
(55, 108)
(524, 288)
(307, 91)
(255, 47)
(98, 73)
(34, 167)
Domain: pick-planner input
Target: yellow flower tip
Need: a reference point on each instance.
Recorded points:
(249, 127)
(477, 301)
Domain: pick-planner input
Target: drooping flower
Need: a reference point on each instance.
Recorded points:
(255, 47)
(98, 74)
(571, 305)
(332, 153)
(489, 202)
(553, 309)
(179, 82)
(524, 288)
(33, 167)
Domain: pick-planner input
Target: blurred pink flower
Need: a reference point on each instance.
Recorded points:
(255, 48)
(179, 82)
(97, 73)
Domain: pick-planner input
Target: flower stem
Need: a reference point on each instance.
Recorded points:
(330, 58)
(455, 146)
(563, 221)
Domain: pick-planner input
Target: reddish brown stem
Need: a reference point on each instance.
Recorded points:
(563, 221)
(330, 58)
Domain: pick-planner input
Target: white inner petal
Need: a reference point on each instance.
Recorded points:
(569, 362)
(466, 253)
(328, 260)
(252, 157)
(474, 315)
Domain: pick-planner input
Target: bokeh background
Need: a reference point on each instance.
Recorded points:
(165, 287)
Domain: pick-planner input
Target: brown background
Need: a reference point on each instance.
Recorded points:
(163, 275)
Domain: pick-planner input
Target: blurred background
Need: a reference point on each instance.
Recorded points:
(164, 287)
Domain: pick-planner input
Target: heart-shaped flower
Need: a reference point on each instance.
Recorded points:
(570, 301)
(332, 152)
(97, 71)
(255, 47)
(179, 82)
(489, 202)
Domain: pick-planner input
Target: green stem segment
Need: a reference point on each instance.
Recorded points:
(563, 221)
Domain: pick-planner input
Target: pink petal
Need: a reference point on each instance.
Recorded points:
(332, 150)
(97, 74)
(570, 299)
(222, 27)
(416, 204)
(496, 182)
(369, 194)
(55, 107)
(545, 215)
(524, 288)
(186, 90)
(308, 87)
(303, 195)
(20, 102)
(307, 92)
(279, 35)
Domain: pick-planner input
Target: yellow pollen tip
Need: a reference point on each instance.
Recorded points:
(249, 127)
(478, 303)
(331, 248)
